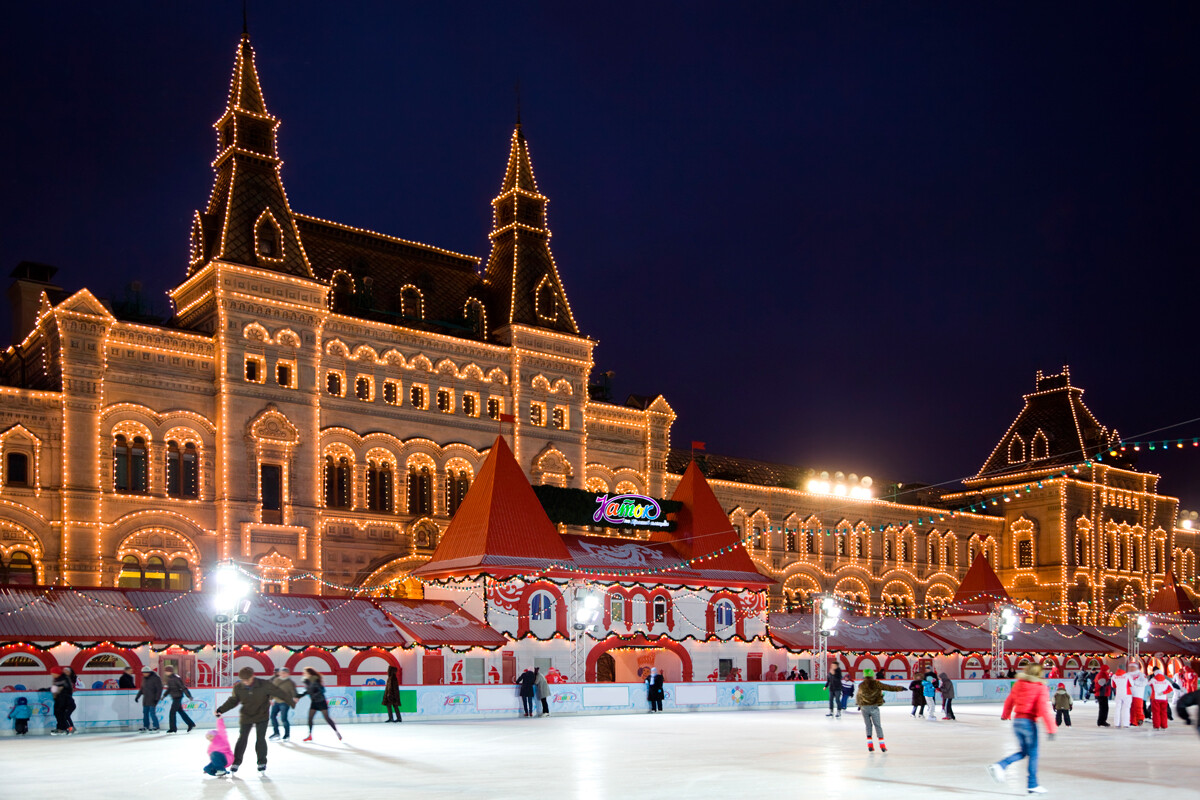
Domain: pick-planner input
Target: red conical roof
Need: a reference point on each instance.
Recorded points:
(500, 528)
(702, 527)
(979, 591)
(1172, 599)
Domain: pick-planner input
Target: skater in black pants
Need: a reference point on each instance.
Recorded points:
(254, 695)
(833, 684)
(528, 684)
(654, 690)
(64, 701)
(391, 694)
(947, 688)
(177, 690)
(314, 689)
(543, 690)
(1102, 687)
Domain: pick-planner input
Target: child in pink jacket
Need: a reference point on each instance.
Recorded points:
(220, 754)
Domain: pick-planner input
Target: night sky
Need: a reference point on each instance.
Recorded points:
(836, 235)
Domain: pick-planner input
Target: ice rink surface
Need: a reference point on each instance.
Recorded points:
(761, 754)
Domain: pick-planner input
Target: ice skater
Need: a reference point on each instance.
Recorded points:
(947, 697)
(847, 691)
(177, 690)
(927, 690)
(528, 683)
(868, 700)
(1184, 703)
(220, 755)
(20, 714)
(1027, 702)
(1062, 706)
(1137, 707)
(314, 690)
(1123, 694)
(391, 694)
(281, 708)
(63, 689)
(1102, 688)
(254, 695)
(833, 684)
(917, 687)
(150, 692)
(1160, 700)
(543, 690)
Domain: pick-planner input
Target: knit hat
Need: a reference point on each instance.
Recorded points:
(868, 673)
(1032, 670)
(1062, 686)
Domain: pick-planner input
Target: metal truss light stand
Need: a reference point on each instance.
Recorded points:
(820, 646)
(994, 623)
(223, 654)
(1132, 643)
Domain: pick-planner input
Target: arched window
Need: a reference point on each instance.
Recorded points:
(545, 301)
(887, 549)
(660, 609)
(362, 387)
(1133, 555)
(1025, 554)
(841, 542)
(333, 384)
(131, 573)
(809, 541)
(267, 236)
(949, 555)
(337, 482)
(616, 608)
(1080, 552)
(18, 570)
(342, 297)
(16, 469)
(724, 613)
(933, 555)
(183, 473)
(179, 575)
(379, 486)
(474, 318)
(541, 606)
(858, 545)
(411, 305)
(420, 490)
(1016, 449)
(458, 483)
(904, 551)
(1040, 448)
(790, 540)
(130, 465)
(155, 576)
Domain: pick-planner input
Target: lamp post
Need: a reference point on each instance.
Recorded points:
(230, 604)
(1003, 624)
(826, 615)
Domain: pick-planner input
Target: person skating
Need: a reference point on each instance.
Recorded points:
(927, 690)
(63, 689)
(847, 691)
(20, 714)
(391, 694)
(281, 708)
(654, 689)
(833, 685)
(1137, 706)
(948, 697)
(177, 690)
(543, 690)
(150, 692)
(1160, 700)
(1102, 688)
(868, 699)
(126, 680)
(1062, 706)
(1027, 702)
(254, 695)
(1123, 695)
(220, 755)
(1184, 703)
(314, 690)
(528, 683)
(917, 687)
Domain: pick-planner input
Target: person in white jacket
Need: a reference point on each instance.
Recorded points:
(1161, 694)
(1137, 709)
(1122, 697)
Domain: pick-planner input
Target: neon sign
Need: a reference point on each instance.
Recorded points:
(629, 510)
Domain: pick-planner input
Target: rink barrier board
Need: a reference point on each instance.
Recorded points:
(118, 710)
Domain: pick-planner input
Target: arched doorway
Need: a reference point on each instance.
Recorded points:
(606, 668)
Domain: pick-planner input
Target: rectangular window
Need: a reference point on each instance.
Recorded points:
(537, 414)
(1025, 554)
(335, 384)
(419, 397)
(473, 670)
(544, 664)
(16, 469)
(255, 367)
(285, 374)
(616, 609)
(445, 401)
(561, 418)
(495, 408)
(364, 388)
(724, 667)
(271, 486)
(391, 392)
(470, 404)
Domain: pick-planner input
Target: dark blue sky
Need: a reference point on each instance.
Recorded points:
(837, 235)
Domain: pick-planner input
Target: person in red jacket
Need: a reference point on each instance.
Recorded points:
(1027, 702)
(1160, 699)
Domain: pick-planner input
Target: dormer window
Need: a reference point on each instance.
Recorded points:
(545, 301)
(268, 239)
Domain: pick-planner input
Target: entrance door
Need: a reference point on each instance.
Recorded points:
(606, 669)
(754, 666)
(184, 664)
(508, 667)
(433, 669)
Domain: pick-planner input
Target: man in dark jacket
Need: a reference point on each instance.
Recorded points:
(177, 689)
(1181, 708)
(254, 695)
(126, 680)
(833, 684)
(151, 692)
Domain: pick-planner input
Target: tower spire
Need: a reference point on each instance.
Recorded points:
(248, 220)
(520, 268)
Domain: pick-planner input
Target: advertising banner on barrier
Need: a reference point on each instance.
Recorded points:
(117, 710)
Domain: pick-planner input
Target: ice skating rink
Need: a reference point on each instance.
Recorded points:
(703, 755)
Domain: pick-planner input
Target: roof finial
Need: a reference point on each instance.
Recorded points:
(518, 90)
(245, 18)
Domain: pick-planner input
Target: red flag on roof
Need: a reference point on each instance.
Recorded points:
(697, 445)
(508, 418)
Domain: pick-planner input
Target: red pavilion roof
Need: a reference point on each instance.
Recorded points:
(1172, 599)
(979, 591)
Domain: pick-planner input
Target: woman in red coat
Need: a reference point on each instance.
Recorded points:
(1027, 702)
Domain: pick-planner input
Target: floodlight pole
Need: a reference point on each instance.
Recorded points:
(996, 623)
(820, 646)
(223, 654)
(578, 640)
(1132, 646)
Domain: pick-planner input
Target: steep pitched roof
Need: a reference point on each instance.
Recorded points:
(248, 202)
(1054, 429)
(702, 529)
(500, 528)
(520, 272)
(979, 591)
(1172, 599)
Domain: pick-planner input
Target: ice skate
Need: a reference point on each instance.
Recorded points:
(262, 767)
(1038, 790)
(308, 738)
(273, 736)
(882, 746)
(997, 772)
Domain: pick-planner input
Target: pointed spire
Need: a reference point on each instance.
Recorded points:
(248, 220)
(979, 591)
(520, 268)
